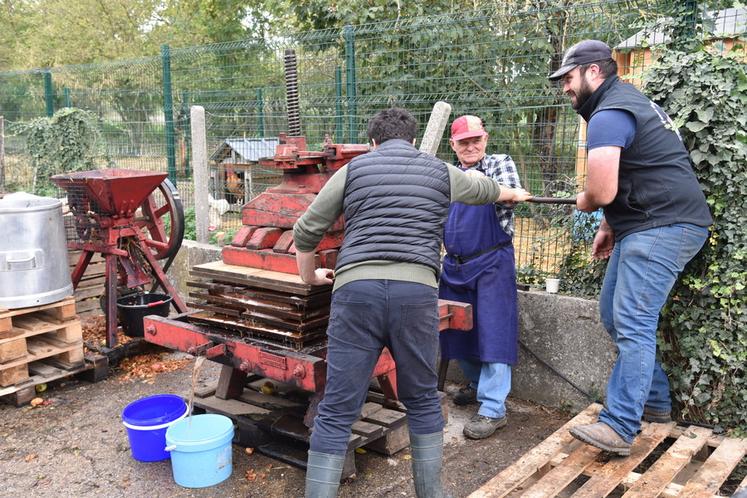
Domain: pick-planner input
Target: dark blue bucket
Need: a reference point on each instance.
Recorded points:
(147, 419)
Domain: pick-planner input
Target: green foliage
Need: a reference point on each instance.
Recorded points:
(68, 141)
(218, 237)
(704, 325)
(579, 274)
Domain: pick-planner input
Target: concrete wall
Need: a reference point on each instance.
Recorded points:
(192, 253)
(565, 332)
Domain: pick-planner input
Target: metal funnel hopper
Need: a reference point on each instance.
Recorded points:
(115, 191)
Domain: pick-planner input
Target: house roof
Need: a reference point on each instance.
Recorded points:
(248, 150)
(726, 23)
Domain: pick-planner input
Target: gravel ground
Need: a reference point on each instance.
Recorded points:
(75, 445)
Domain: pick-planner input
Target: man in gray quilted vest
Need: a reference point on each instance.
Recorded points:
(394, 200)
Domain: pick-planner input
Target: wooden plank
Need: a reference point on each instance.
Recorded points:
(715, 470)
(89, 306)
(229, 407)
(387, 418)
(536, 458)
(607, 476)
(368, 430)
(63, 309)
(267, 401)
(203, 391)
(230, 383)
(392, 441)
(13, 375)
(29, 326)
(42, 369)
(671, 490)
(41, 347)
(12, 349)
(82, 293)
(265, 278)
(713, 441)
(660, 474)
(561, 476)
(369, 409)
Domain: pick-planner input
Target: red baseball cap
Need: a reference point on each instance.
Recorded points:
(467, 127)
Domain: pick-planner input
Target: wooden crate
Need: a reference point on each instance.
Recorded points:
(91, 286)
(27, 335)
(695, 465)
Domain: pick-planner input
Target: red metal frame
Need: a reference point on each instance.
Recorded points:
(305, 371)
(111, 197)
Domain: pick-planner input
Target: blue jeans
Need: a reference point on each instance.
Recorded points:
(367, 315)
(640, 274)
(493, 383)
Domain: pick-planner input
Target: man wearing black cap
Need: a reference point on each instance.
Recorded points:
(655, 220)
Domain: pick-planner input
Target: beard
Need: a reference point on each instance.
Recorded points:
(583, 94)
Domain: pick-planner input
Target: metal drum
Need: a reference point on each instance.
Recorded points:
(34, 266)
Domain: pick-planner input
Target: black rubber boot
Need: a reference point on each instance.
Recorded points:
(323, 472)
(427, 453)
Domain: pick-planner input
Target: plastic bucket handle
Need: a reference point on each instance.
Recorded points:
(155, 427)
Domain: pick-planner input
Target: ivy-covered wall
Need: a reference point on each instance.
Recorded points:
(704, 325)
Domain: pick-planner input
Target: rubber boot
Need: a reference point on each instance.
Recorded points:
(323, 472)
(427, 453)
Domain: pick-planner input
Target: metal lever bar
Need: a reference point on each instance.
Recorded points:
(553, 200)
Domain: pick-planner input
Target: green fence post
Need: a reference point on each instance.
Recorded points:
(186, 127)
(66, 101)
(691, 18)
(349, 35)
(260, 113)
(338, 106)
(168, 112)
(48, 93)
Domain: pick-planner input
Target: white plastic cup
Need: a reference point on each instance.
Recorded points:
(552, 285)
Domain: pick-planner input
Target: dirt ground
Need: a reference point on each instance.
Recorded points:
(74, 444)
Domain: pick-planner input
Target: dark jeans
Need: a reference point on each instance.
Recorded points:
(367, 315)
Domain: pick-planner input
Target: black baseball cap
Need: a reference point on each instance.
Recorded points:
(583, 52)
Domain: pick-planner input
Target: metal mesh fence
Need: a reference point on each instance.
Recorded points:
(493, 64)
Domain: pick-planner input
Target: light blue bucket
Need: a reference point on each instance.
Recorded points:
(200, 449)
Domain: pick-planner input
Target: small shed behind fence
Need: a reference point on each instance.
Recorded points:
(236, 175)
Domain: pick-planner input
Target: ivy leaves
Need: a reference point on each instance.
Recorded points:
(705, 323)
(68, 141)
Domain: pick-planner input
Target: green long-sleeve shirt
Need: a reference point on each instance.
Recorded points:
(327, 207)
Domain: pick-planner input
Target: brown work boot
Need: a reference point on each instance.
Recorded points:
(466, 396)
(602, 436)
(656, 416)
(480, 426)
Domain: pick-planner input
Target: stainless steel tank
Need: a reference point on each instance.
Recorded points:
(34, 266)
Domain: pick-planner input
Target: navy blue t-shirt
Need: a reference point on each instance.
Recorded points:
(610, 127)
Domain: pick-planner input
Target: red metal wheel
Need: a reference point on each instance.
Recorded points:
(162, 219)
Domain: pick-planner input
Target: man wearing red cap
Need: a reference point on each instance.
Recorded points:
(479, 269)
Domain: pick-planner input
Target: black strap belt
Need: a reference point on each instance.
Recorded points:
(463, 259)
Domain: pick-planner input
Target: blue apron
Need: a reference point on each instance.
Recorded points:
(479, 269)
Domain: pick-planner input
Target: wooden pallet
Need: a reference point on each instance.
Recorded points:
(695, 465)
(50, 332)
(94, 369)
(274, 424)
